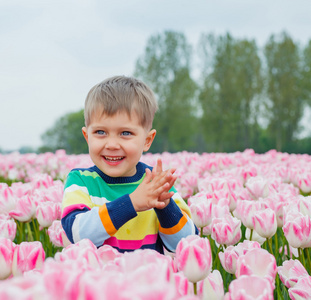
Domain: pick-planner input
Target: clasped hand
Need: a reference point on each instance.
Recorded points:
(154, 192)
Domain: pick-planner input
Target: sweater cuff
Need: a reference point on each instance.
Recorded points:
(170, 215)
(121, 210)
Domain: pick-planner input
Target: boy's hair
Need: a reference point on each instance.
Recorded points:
(121, 94)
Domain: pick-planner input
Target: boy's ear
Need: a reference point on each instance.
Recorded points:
(84, 131)
(149, 139)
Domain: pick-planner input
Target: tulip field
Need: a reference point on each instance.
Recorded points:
(253, 212)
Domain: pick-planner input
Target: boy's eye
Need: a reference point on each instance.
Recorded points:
(100, 132)
(126, 133)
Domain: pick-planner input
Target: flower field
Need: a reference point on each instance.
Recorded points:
(253, 212)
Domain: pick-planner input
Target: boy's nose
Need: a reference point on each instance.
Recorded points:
(112, 143)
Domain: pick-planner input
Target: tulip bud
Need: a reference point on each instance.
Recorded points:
(6, 257)
(194, 257)
(27, 256)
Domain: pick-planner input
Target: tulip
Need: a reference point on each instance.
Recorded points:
(301, 290)
(257, 262)
(304, 206)
(304, 183)
(46, 213)
(245, 211)
(27, 256)
(57, 235)
(211, 287)
(7, 200)
(264, 222)
(250, 288)
(291, 271)
(258, 187)
(227, 230)
(183, 287)
(6, 257)
(229, 257)
(297, 230)
(25, 209)
(7, 228)
(201, 212)
(194, 257)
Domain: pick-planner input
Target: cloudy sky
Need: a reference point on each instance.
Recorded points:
(52, 52)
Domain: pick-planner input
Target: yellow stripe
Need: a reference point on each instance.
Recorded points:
(183, 220)
(106, 220)
(76, 197)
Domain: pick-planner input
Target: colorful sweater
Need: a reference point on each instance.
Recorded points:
(98, 207)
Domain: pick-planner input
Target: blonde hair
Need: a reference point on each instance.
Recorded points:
(121, 94)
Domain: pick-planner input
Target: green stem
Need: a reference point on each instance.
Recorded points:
(36, 229)
(308, 257)
(270, 245)
(276, 242)
(301, 257)
(195, 288)
(251, 235)
(29, 232)
(201, 231)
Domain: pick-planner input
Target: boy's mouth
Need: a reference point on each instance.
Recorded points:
(113, 158)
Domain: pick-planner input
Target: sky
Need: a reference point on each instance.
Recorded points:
(53, 52)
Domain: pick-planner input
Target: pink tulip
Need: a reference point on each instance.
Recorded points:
(201, 212)
(25, 209)
(226, 230)
(27, 256)
(304, 205)
(245, 211)
(250, 288)
(301, 290)
(257, 262)
(6, 257)
(211, 287)
(229, 257)
(57, 235)
(264, 222)
(7, 200)
(183, 287)
(291, 271)
(47, 212)
(258, 187)
(194, 257)
(297, 230)
(304, 182)
(7, 227)
(107, 253)
(84, 252)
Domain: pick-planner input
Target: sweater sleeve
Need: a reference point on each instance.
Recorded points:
(175, 222)
(82, 219)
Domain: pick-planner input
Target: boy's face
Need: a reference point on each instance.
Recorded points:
(117, 142)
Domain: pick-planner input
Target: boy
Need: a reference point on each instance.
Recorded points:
(121, 201)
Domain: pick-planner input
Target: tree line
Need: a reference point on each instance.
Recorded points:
(224, 95)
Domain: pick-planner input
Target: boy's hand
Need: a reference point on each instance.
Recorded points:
(158, 170)
(153, 192)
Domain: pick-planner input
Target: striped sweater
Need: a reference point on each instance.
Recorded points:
(98, 207)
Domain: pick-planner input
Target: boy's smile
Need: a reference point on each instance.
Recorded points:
(117, 142)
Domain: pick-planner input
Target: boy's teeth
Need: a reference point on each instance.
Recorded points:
(113, 158)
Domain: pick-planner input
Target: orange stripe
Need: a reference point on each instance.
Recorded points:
(106, 221)
(183, 220)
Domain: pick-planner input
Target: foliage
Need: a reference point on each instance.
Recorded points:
(165, 66)
(66, 134)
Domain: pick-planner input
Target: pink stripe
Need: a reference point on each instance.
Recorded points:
(70, 208)
(130, 244)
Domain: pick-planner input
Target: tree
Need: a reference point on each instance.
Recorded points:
(232, 81)
(165, 67)
(66, 134)
(284, 89)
